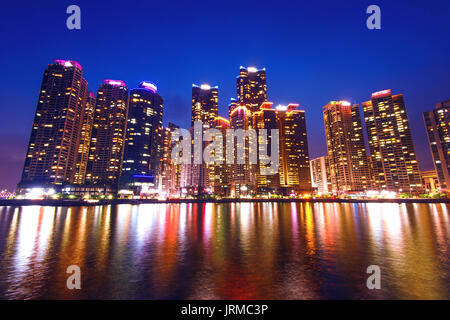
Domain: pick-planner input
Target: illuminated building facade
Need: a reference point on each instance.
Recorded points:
(205, 104)
(242, 176)
(143, 144)
(320, 175)
(170, 173)
(393, 158)
(85, 140)
(346, 147)
(53, 145)
(293, 172)
(266, 118)
(221, 171)
(294, 156)
(437, 124)
(430, 181)
(108, 134)
(251, 87)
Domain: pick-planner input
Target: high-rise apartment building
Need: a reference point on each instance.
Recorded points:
(205, 104)
(243, 176)
(56, 129)
(437, 124)
(221, 171)
(266, 118)
(393, 158)
(320, 175)
(293, 172)
(108, 134)
(170, 173)
(294, 155)
(346, 147)
(251, 87)
(85, 140)
(144, 139)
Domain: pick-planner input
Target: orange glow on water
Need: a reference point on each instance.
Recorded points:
(226, 251)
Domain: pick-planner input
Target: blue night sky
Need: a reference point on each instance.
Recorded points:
(314, 52)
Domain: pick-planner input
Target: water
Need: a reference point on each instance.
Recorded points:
(226, 251)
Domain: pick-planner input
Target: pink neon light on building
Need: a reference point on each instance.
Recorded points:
(114, 82)
(68, 63)
(382, 93)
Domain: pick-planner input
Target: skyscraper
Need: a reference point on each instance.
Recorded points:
(221, 172)
(85, 140)
(293, 171)
(108, 134)
(53, 145)
(251, 87)
(294, 155)
(393, 158)
(266, 118)
(320, 174)
(205, 104)
(169, 172)
(242, 177)
(346, 147)
(143, 144)
(437, 124)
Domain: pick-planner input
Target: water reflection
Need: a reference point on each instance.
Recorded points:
(226, 251)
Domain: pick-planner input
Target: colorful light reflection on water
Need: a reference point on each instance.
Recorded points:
(226, 251)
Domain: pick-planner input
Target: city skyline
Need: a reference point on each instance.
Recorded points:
(302, 64)
(226, 155)
(128, 143)
(64, 92)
